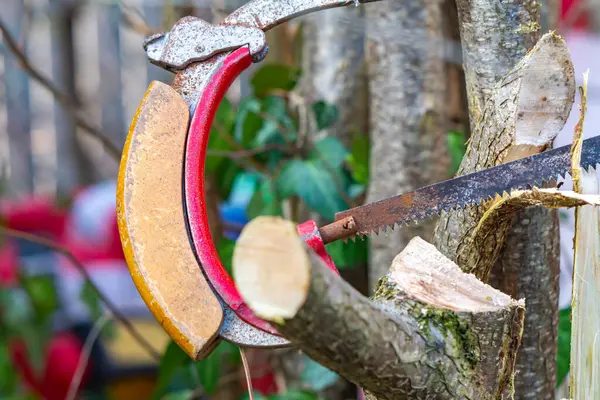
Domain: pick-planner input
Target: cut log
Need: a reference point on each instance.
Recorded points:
(431, 330)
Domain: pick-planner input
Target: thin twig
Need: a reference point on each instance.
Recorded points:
(250, 152)
(247, 372)
(65, 252)
(247, 163)
(68, 103)
(85, 356)
(133, 19)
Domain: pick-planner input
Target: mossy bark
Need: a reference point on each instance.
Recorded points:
(430, 331)
(398, 347)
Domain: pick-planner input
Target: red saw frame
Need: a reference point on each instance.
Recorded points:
(195, 205)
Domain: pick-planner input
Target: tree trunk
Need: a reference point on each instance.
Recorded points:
(72, 165)
(431, 330)
(407, 88)
(491, 47)
(333, 66)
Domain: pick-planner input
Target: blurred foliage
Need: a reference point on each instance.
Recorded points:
(457, 145)
(27, 310)
(563, 356)
(295, 169)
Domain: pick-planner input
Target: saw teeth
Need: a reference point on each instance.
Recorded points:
(443, 211)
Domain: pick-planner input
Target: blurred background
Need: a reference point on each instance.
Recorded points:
(72, 74)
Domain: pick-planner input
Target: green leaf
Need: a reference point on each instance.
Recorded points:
(181, 395)
(264, 201)
(358, 160)
(325, 114)
(311, 181)
(317, 376)
(257, 396)
(457, 146)
(42, 295)
(8, 374)
(295, 395)
(226, 114)
(90, 298)
(16, 309)
(268, 133)
(35, 337)
(355, 190)
(331, 150)
(350, 254)
(209, 369)
(223, 125)
(278, 126)
(225, 249)
(172, 360)
(563, 356)
(247, 126)
(225, 176)
(274, 76)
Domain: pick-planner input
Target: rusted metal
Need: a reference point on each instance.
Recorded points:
(192, 40)
(261, 14)
(466, 190)
(339, 229)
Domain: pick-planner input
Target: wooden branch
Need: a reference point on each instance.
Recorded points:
(431, 331)
(486, 237)
(68, 103)
(525, 112)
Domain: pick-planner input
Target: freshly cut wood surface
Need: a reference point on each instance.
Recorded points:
(271, 268)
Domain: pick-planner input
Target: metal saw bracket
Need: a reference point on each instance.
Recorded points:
(161, 207)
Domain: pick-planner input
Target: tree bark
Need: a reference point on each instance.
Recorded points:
(431, 330)
(523, 115)
(493, 44)
(407, 88)
(333, 67)
(528, 265)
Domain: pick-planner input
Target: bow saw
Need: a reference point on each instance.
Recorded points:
(160, 197)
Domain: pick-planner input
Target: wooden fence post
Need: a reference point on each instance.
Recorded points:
(18, 110)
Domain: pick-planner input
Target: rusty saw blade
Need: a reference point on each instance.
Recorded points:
(459, 192)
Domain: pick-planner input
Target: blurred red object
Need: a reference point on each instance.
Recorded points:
(60, 365)
(35, 215)
(38, 215)
(573, 13)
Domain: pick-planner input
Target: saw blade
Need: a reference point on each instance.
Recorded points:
(468, 190)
